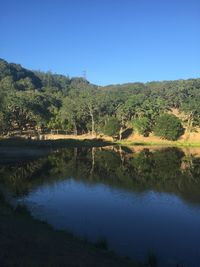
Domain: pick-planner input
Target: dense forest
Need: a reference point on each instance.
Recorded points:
(38, 101)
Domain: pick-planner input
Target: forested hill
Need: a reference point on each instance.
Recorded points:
(32, 100)
(14, 76)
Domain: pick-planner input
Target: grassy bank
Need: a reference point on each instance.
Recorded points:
(134, 140)
(20, 150)
(159, 143)
(27, 242)
(78, 141)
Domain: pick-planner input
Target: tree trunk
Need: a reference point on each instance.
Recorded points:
(189, 126)
(120, 133)
(92, 119)
(75, 129)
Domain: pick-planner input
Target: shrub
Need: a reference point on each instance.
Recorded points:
(141, 125)
(111, 127)
(169, 127)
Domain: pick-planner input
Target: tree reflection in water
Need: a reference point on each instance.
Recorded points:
(169, 170)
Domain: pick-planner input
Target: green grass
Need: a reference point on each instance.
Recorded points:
(159, 143)
(47, 145)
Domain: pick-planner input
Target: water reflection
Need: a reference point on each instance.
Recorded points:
(141, 200)
(168, 170)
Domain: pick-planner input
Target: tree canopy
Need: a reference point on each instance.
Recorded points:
(168, 127)
(31, 99)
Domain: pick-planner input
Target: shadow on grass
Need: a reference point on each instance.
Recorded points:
(60, 143)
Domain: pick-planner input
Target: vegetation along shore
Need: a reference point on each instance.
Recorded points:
(34, 103)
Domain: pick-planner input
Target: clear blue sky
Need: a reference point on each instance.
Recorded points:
(116, 41)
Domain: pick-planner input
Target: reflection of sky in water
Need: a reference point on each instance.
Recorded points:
(134, 224)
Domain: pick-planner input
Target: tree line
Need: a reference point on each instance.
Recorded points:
(35, 100)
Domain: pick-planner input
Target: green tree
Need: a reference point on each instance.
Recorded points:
(168, 127)
(141, 125)
(191, 108)
(71, 114)
(112, 127)
(2, 119)
(89, 102)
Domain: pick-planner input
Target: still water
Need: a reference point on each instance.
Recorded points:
(140, 201)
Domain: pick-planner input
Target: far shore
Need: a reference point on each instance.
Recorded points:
(49, 141)
(20, 149)
(134, 140)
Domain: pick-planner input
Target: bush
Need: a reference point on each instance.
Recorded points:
(141, 125)
(168, 127)
(111, 127)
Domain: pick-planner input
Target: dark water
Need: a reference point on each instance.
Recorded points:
(141, 202)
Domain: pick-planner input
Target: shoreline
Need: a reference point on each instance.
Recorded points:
(63, 141)
(17, 150)
(26, 241)
(19, 223)
(41, 244)
(163, 143)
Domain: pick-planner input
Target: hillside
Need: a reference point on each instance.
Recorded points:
(38, 101)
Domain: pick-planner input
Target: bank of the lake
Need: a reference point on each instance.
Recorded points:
(133, 140)
(119, 195)
(19, 149)
(162, 143)
(14, 150)
(26, 241)
(53, 142)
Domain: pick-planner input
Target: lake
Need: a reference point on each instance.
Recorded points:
(139, 201)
